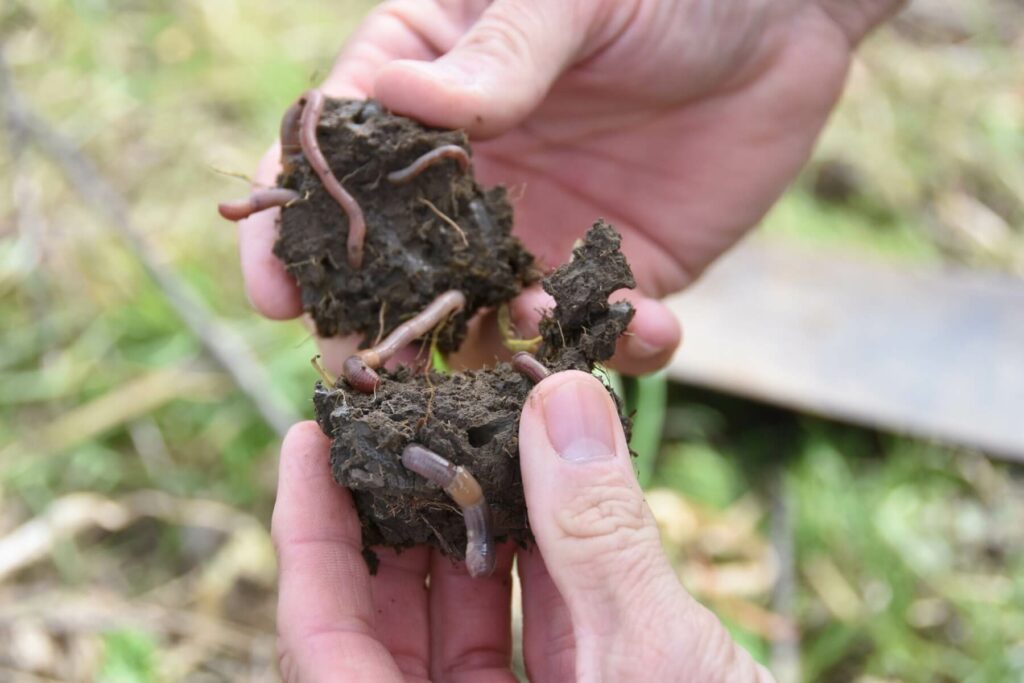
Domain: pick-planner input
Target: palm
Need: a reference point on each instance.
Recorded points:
(681, 183)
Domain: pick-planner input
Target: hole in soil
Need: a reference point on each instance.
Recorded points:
(482, 435)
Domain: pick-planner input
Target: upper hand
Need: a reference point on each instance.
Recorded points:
(680, 121)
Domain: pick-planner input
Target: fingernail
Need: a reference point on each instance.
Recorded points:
(578, 415)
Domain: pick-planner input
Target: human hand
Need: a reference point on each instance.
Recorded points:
(679, 121)
(600, 600)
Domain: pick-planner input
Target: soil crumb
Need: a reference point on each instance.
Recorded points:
(469, 418)
(413, 251)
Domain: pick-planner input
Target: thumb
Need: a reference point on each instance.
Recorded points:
(495, 75)
(587, 512)
(601, 547)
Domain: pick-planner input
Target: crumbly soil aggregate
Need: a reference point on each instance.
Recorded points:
(411, 254)
(470, 418)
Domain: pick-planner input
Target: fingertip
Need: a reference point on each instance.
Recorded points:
(437, 94)
(304, 451)
(302, 433)
(528, 308)
(652, 338)
(305, 488)
(269, 287)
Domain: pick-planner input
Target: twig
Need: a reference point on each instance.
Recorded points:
(225, 347)
(443, 216)
(785, 651)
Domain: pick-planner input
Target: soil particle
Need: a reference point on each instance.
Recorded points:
(583, 327)
(412, 253)
(471, 418)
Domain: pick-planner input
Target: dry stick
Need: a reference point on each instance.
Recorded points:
(405, 175)
(359, 369)
(785, 655)
(527, 365)
(259, 200)
(312, 108)
(464, 489)
(225, 347)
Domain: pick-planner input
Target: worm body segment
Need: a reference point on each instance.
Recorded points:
(463, 488)
(528, 366)
(312, 104)
(258, 201)
(360, 375)
(359, 369)
(403, 176)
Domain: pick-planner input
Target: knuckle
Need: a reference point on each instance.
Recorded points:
(286, 665)
(608, 513)
(501, 37)
(719, 651)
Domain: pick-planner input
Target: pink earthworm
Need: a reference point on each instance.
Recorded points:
(359, 369)
(258, 201)
(401, 177)
(312, 103)
(463, 488)
(529, 367)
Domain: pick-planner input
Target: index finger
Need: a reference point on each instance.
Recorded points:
(325, 606)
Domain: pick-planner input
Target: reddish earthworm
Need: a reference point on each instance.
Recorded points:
(312, 104)
(359, 368)
(529, 367)
(258, 201)
(463, 488)
(360, 375)
(401, 177)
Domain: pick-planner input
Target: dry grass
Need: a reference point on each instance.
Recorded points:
(136, 479)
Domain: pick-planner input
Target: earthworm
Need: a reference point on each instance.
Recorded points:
(463, 488)
(529, 367)
(258, 201)
(312, 103)
(359, 369)
(401, 177)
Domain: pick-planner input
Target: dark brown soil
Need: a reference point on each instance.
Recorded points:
(472, 418)
(411, 254)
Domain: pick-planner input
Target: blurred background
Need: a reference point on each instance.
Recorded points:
(142, 400)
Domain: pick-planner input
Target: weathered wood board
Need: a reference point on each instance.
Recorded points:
(935, 353)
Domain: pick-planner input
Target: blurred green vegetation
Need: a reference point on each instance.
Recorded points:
(909, 557)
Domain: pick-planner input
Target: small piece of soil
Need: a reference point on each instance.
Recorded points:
(471, 418)
(412, 253)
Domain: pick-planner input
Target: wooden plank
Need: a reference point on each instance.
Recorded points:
(936, 353)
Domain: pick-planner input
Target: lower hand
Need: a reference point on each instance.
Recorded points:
(600, 600)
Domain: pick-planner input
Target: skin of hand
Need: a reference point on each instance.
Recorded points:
(680, 121)
(600, 600)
